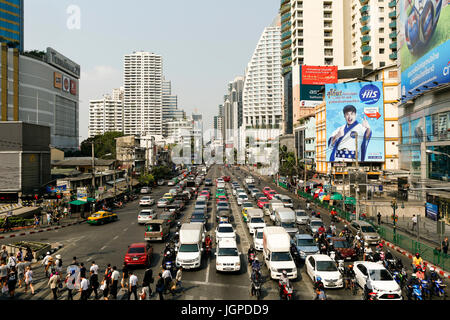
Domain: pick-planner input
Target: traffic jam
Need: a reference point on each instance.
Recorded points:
(292, 249)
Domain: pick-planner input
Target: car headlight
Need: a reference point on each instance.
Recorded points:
(302, 253)
(273, 269)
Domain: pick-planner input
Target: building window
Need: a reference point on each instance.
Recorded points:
(381, 51)
(381, 30)
(381, 20)
(380, 9)
(382, 64)
(381, 40)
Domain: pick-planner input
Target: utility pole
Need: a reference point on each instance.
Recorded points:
(357, 174)
(93, 169)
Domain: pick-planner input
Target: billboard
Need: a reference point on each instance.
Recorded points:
(424, 34)
(319, 75)
(355, 122)
(66, 84)
(73, 87)
(57, 80)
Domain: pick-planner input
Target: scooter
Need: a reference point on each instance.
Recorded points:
(256, 287)
(416, 292)
(251, 258)
(286, 291)
(426, 290)
(438, 289)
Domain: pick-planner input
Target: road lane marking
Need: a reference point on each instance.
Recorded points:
(125, 229)
(116, 237)
(102, 248)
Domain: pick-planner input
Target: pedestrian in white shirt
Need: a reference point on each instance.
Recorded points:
(84, 288)
(414, 222)
(94, 268)
(29, 280)
(133, 286)
(115, 282)
(12, 261)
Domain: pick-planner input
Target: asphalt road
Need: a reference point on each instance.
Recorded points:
(108, 243)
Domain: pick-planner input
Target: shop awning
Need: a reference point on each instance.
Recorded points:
(336, 196)
(350, 200)
(81, 202)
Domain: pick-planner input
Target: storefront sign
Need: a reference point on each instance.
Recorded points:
(432, 211)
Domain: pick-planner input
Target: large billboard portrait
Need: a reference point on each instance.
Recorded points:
(355, 122)
(424, 46)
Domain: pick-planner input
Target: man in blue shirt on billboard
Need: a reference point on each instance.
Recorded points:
(342, 141)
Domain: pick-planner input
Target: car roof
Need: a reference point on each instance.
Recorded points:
(370, 265)
(304, 236)
(225, 225)
(316, 220)
(362, 223)
(321, 257)
(137, 245)
(227, 243)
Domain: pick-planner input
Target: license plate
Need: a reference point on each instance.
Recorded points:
(135, 259)
(391, 296)
(227, 269)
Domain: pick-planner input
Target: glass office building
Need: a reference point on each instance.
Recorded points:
(11, 22)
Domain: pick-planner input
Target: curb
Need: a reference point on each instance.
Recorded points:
(410, 255)
(41, 230)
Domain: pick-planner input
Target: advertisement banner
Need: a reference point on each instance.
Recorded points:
(57, 80)
(355, 122)
(423, 39)
(82, 194)
(73, 87)
(432, 211)
(319, 75)
(66, 84)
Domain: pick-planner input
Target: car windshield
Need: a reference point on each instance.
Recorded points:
(228, 252)
(96, 215)
(145, 213)
(287, 201)
(380, 275)
(281, 256)
(198, 216)
(257, 220)
(341, 244)
(305, 242)
(165, 216)
(368, 229)
(259, 235)
(200, 203)
(242, 196)
(316, 223)
(222, 204)
(153, 227)
(288, 225)
(220, 191)
(225, 229)
(145, 198)
(188, 248)
(301, 214)
(326, 266)
(136, 250)
(163, 200)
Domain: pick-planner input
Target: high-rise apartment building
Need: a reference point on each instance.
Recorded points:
(169, 102)
(143, 82)
(106, 114)
(11, 23)
(232, 111)
(263, 87)
(373, 33)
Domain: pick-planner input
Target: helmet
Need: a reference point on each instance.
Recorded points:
(58, 256)
(350, 266)
(366, 244)
(318, 279)
(417, 255)
(48, 252)
(432, 269)
(414, 275)
(284, 273)
(256, 259)
(380, 244)
(168, 252)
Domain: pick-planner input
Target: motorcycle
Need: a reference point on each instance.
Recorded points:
(286, 291)
(400, 278)
(426, 290)
(438, 288)
(207, 250)
(256, 288)
(251, 258)
(416, 293)
(334, 218)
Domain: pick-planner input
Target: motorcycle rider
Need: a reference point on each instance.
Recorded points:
(367, 251)
(349, 274)
(208, 242)
(251, 251)
(409, 286)
(318, 287)
(333, 214)
(321, 230)
(256, 278)
(284, 281)
(417, 262)
(333, 229)
(256, 266)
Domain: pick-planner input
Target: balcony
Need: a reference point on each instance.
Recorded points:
(365, 39)
(392, 4)
(286, 61)
(393, 14)
(285, 17)
(364, 20)
(285, 8)
(393, 25)
(285, 35)
(365, 29)
(364, 9)
(287, 70)
(363, 2)
(393, 56)
(286, 44)
(286, 53)
(365, 49)
(284, 1)
(366, 60)
(393, 45)
(286, 26)
(393, 35)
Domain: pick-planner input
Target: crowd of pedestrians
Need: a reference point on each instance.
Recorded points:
(15, 270)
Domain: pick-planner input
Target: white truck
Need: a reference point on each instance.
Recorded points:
(285, 217)
(189, 248)
(255, 219)
(274, 204)
(276, 252)
(249, 180)
(228, 256)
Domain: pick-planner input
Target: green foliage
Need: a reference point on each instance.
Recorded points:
(103, 144)
(147, 179)
(161, 172)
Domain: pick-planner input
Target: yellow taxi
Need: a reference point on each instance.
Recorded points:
(168, 196)
(102, 217)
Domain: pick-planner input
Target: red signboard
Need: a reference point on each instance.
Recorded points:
(319, 75)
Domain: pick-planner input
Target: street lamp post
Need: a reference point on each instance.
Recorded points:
(394, 207)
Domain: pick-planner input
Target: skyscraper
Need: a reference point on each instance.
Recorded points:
(143, 82)
(11, 23)
(169, 102)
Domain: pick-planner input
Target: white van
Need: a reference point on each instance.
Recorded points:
(227, 256)
(277, 254)
(285, 217)
(273, 204)
(287, 201)
(255, 219)
(189, 249)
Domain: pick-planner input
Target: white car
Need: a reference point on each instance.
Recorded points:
(228, 256)
(225, 231)
(237, 191)
(145, 190)
(171, 183)
(258, 239)
(321, 265)
(301, 216)
(146, 215)
(378, 280)
(162, 203)
(255, 223)
(146, 201)
(241, 198)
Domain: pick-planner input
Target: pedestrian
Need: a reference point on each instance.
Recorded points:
(84, 288)
(36, 221)
(29, 280)
(379, 218)
(53, 283)
(167, 276)
(106, 283)
(178, 278)
(12, 261)
(148, 279)
(28, 255)
(66, 212)
(3, 273)
(125, 274)
(12, 280)
(4, 253)
(414, 222)
(19, 255)
(94, 268)
(445, 245)
(74, 261)
(58, 263)
(115, 282)
(82, 270)
(132, 288)
(70, 284)
(49, 218)
(20, 272)
(160, 286)
(93, 280)
(145, 293)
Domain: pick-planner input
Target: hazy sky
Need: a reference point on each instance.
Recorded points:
(204, 43)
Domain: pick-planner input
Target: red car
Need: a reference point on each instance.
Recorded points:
(205, 194)
(262, 201)
(221, 198)
(266, 190)
(226, 178)
(270, 194)
(344, 248)
(139, 254)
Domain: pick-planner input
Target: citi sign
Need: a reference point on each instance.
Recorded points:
(369, 94)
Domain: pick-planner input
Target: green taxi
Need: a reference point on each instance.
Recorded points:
(220, 192)
(102, 217)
